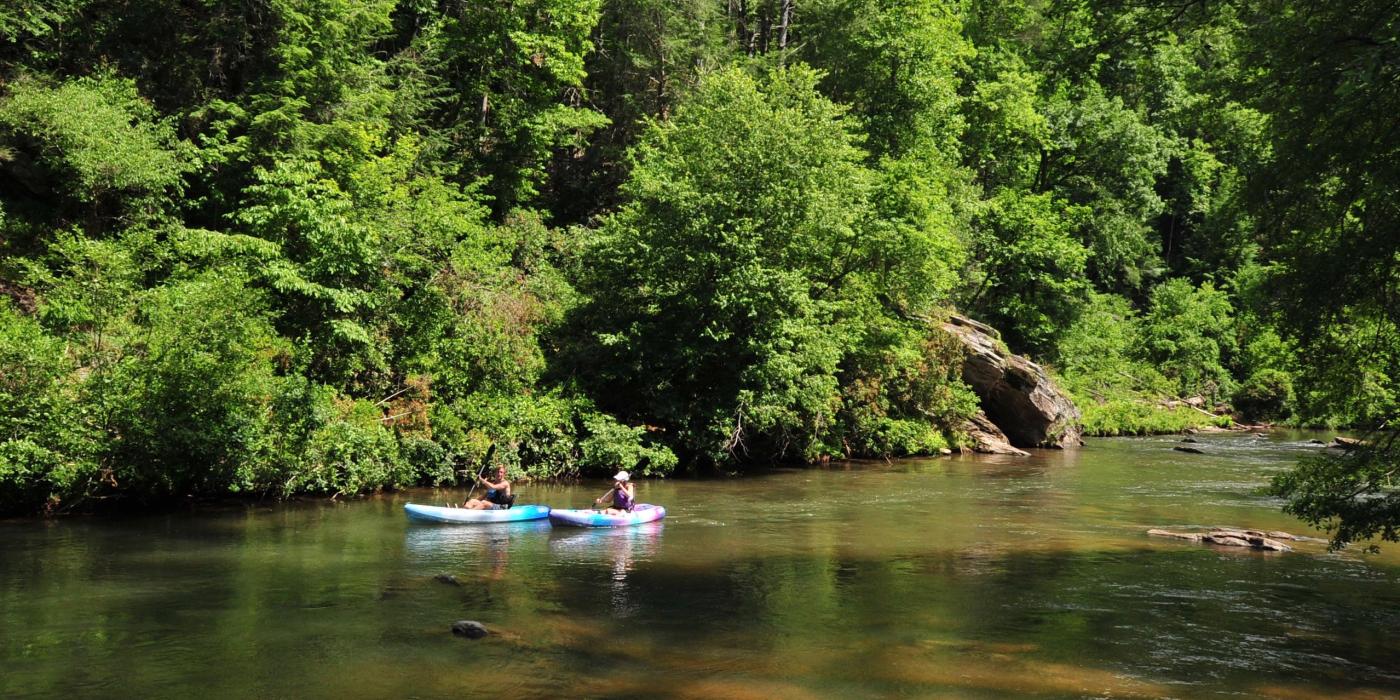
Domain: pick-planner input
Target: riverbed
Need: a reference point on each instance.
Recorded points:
(961, 577)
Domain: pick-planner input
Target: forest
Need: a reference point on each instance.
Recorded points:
(282, 247)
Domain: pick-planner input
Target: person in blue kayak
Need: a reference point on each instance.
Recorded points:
(623, 495)
(498, 493)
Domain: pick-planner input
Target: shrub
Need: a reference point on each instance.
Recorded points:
(350, 453)
(1189, 333)
(1266, 395)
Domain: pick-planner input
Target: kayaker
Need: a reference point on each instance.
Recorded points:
(497, 493)
(622, 493)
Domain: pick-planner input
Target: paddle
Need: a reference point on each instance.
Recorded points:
(598, 502)
(484, 461)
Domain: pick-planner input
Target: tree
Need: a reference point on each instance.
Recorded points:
(1189, 333)
(648, 55)
(1031, 268)
(898, 65)
(505, 82)
(1329, 221)
(88, 152)
(724, 291)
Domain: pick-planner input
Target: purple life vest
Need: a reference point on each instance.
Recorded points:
(621, 500)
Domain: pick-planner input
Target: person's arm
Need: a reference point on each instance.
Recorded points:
(502, 485)
(599, 500)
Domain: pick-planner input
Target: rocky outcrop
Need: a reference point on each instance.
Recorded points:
(987, 437)
(1017, 395)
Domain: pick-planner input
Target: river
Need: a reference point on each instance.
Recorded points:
(962, 577)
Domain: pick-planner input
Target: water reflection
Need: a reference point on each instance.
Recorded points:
(620, 549)
(437, 541)
(961, 577)
(619, 546)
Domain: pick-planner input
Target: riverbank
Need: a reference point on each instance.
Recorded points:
(1116, 418)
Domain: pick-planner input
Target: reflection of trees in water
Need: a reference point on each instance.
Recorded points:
(620, 548)
(1184, 614)
(495, 562)
(161, 606)
(489, 542)
(986, 620)
(824, 596)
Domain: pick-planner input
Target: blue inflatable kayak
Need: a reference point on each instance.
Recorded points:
(643, 513)
(439, 514)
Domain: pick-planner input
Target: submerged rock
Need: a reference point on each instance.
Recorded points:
(1347, 443)
(471, 629)
(1017, 395)
(1192, 450)
(1189, 440)
(448, 579)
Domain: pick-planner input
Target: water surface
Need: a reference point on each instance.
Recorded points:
(964, 577)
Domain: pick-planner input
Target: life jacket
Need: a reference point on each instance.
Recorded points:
(499, 498)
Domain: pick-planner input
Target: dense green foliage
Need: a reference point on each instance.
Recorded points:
(727, 305)
(328, 246)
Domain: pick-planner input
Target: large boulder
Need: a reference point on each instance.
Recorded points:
(987, 437)
(1016, 394)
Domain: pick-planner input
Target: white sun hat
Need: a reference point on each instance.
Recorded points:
(621, 476)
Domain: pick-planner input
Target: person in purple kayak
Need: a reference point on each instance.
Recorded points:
(623, 495)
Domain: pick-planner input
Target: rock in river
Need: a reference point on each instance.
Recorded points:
(471, 629)
(1017, 395)
(988, 438)
(1234, 537)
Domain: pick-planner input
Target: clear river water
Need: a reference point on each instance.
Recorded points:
(962, 577)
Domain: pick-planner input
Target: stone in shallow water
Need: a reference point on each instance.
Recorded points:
(1231, 537)
(471, 629)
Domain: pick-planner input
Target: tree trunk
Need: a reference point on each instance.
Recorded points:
(765, 29)
(783, 22)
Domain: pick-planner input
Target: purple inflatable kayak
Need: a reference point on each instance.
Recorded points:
(642, 513)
